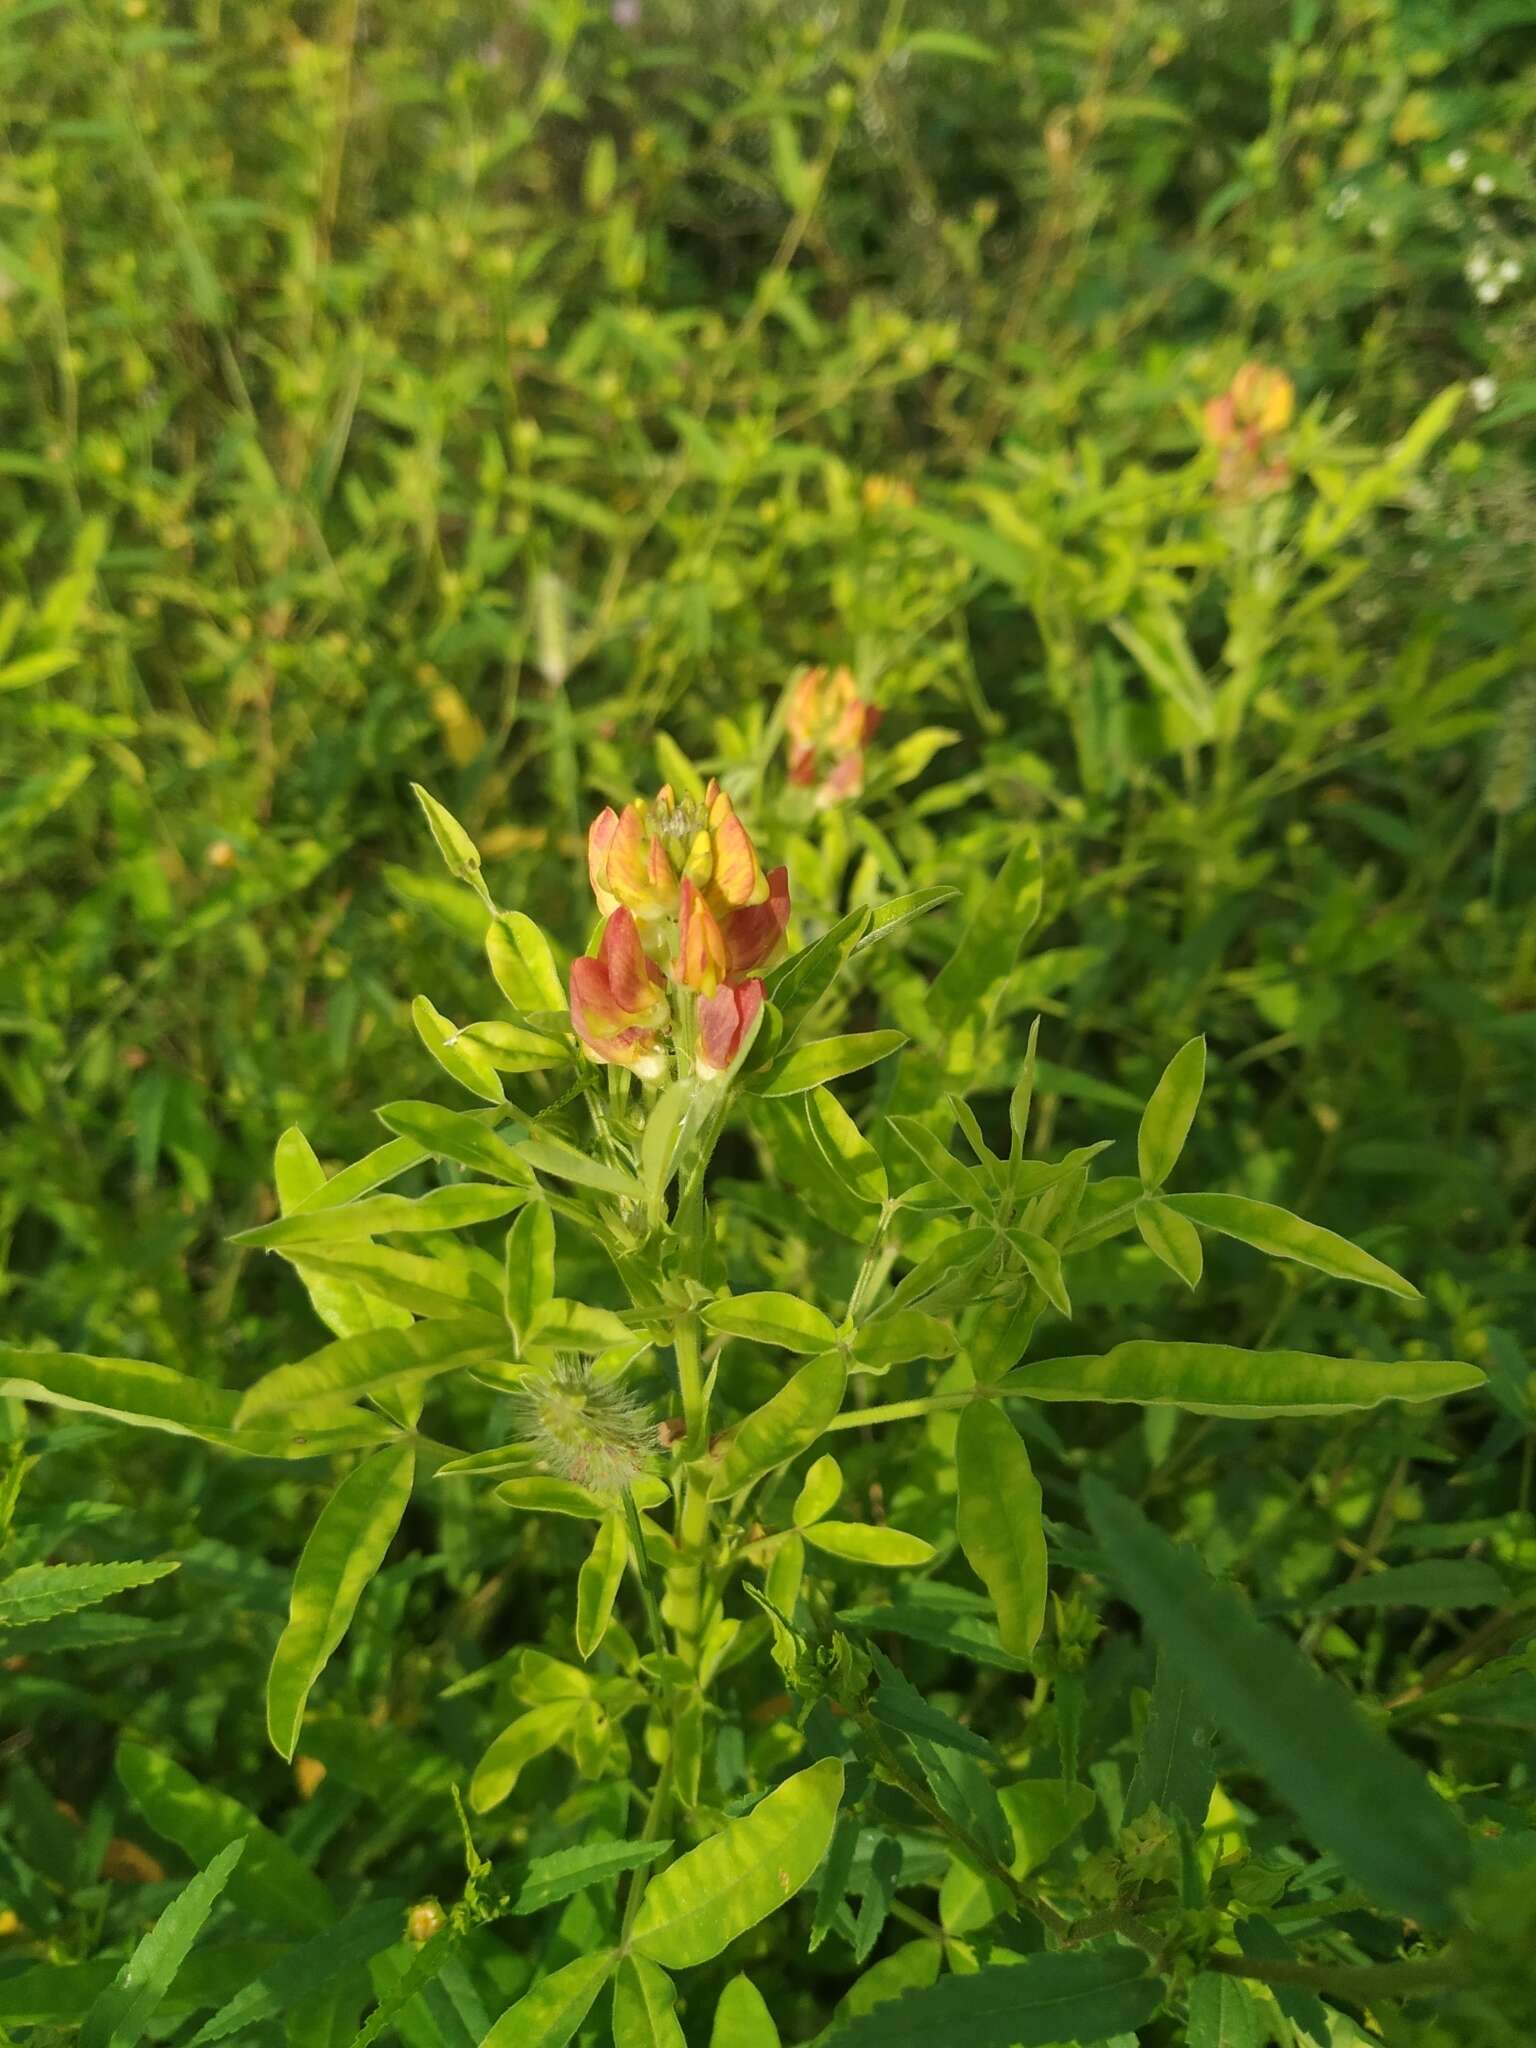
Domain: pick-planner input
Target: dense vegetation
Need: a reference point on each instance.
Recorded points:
(512, 400)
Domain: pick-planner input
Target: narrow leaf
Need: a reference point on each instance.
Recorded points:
(1221, 1379)
(998, 1522)
(123, 2011)
(345, 1548)
(1353, 1793)
(549, 2015)
(1284, 1236)
(1044, 2000)
(1169, 1113)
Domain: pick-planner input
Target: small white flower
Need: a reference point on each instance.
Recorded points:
(1490, 294)
(1457, 161)
(1509, 270)
(1479, 266)
(1483, 391)
(1483, 185)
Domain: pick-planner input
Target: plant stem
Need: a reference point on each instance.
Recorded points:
(904, 1411)
(655, 1818)
(642, 1565)
(1348, 1980)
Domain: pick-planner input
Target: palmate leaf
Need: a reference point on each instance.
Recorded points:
(1353, 1792)
(1045, 2000)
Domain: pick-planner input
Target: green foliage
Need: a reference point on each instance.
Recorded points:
(424, 426)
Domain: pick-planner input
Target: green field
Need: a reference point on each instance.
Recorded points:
(516, 401)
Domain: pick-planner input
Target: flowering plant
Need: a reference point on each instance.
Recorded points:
(726, 1658)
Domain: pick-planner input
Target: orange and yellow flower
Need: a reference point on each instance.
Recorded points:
(726, 1022)
(828, 724)
(639, 856)
(1243, 424)
(685, 902)
(619, 1005)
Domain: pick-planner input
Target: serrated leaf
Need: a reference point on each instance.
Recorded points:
(345, 1548)
(1174, 1768)
(120, 2015)
(1041, 2001)
(1221, 1379)
(1439, 1582)
(1224, 2013)
(1353, 1793)
(898, 1704)
(564, 1872)
(270, 1880)
(300, 1972)
(1284, 1236)
(998, 1522)
(38, 1592)
(734, 1879)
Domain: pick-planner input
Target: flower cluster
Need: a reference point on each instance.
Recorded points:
(829, 723)
(688, 911)
(1244, 425)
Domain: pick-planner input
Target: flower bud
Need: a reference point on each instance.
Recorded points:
(828, 724)
(1242, 425)
(727, 1025)
(618, 1000)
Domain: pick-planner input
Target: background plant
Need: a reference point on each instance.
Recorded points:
(493, 402)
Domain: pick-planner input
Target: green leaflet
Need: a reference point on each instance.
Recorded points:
(998, 1522)
(819, 1492)
(889, 918)
(868, 1543)
(598, 1582)
(119, 2016)
(523, 964)
(1225, 2013)
(461, 1060)
(270, 1881)
(530, 1267)
(451, 1134)
(354, 1366)
(40, 1591)
(450, 1208)
(989, 946)
(1171, 1238)
(345, 1548)
(1042, 2001)
(342, 1305)
(461, 856)
(767, 1318)
(826, 1059)
(788, 1422)
(530, 1735)
(553, 1155)
(1284, 1236)
(127, 1389)
(549, 2014)
(645, 2007)
(1220, 1379)
(700, 1903)
(1352, 1791)
(742, 2020)
(1169, 1113)
(1434, 1582)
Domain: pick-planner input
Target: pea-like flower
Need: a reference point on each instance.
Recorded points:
(1244, 425)
(726, 1021)
(638, 857)
(829, 724)
(618, 1000)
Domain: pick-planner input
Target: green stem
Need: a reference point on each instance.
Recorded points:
(1347, 1980)
(655, 1819)
(642, 1564)
(896, 1773)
